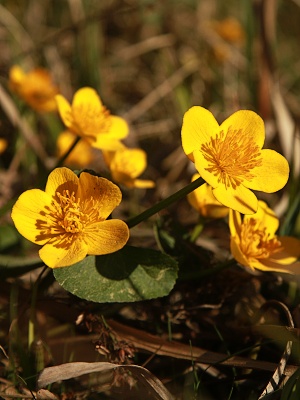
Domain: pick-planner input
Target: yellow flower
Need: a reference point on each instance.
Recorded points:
(230, 30)
(205, 202)
(82, 154)
(255, 245)
(3, 145)
(69, 218)
(88, 118)
(126, 165)
(35, 88)
(229, 157)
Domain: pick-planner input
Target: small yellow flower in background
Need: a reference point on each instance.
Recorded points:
(35, 88)
(3, 145)
(88, 118)
(255, 245)
(229, 157)
(205, 202)
(126, 165)
(69, 218)
(230, 30)
(82, 154)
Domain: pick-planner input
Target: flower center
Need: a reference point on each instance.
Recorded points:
(128, 164)
(69, 214)
(91, 120)
(232, 157)
(256, 242)
(67, 218)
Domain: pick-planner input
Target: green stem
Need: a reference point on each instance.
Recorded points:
(164, 203)
(32, 318)
(66, 155)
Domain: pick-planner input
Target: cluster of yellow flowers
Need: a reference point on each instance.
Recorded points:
(69, 218)
(231, 160)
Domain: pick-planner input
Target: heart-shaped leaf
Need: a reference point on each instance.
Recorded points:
(130, 274)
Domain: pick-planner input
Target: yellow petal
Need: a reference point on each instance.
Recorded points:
(293, 268)
(215, 211)
(110, 140)
(203, 200)
(119, 128)
(240, 199)
(204, 194)
(65, 112)
(129, 162)
(55, 257)
(237, 253)
(199, 126)
(235, 222)
(250, 124)
(290, 252)
(16, 75)
(87, 95)
(81, 156)
(268, 265)
(27, 211)
(202, 166)
(104, 141)
(272, 175)
(61, 179)
(143, 184)
(107, 195)
(107, 237)
(265, 219)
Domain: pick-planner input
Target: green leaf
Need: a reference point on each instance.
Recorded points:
(14, 266)
(130, 274)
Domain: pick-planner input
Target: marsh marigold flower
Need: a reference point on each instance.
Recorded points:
(88, 118)
(229, 157)
(205, 202)
(69, 218)
(230, 30)
(82, 154)
(126, 165)
(255, 245)
(36, 88)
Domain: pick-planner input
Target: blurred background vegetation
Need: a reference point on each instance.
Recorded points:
(149, 61)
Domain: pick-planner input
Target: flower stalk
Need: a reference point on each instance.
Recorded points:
(63, 158)
(164, 203)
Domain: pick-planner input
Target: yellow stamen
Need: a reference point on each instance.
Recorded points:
(91, 120)
(256, 242)
(67, 218)
(232, 157)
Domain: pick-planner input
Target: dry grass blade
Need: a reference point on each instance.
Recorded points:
(162, 90)
(288, 133)
(279, 372)
(154, 344)
(8, 392)
(20, 35)
(153, 43)
(15, 118)
(72, 370)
